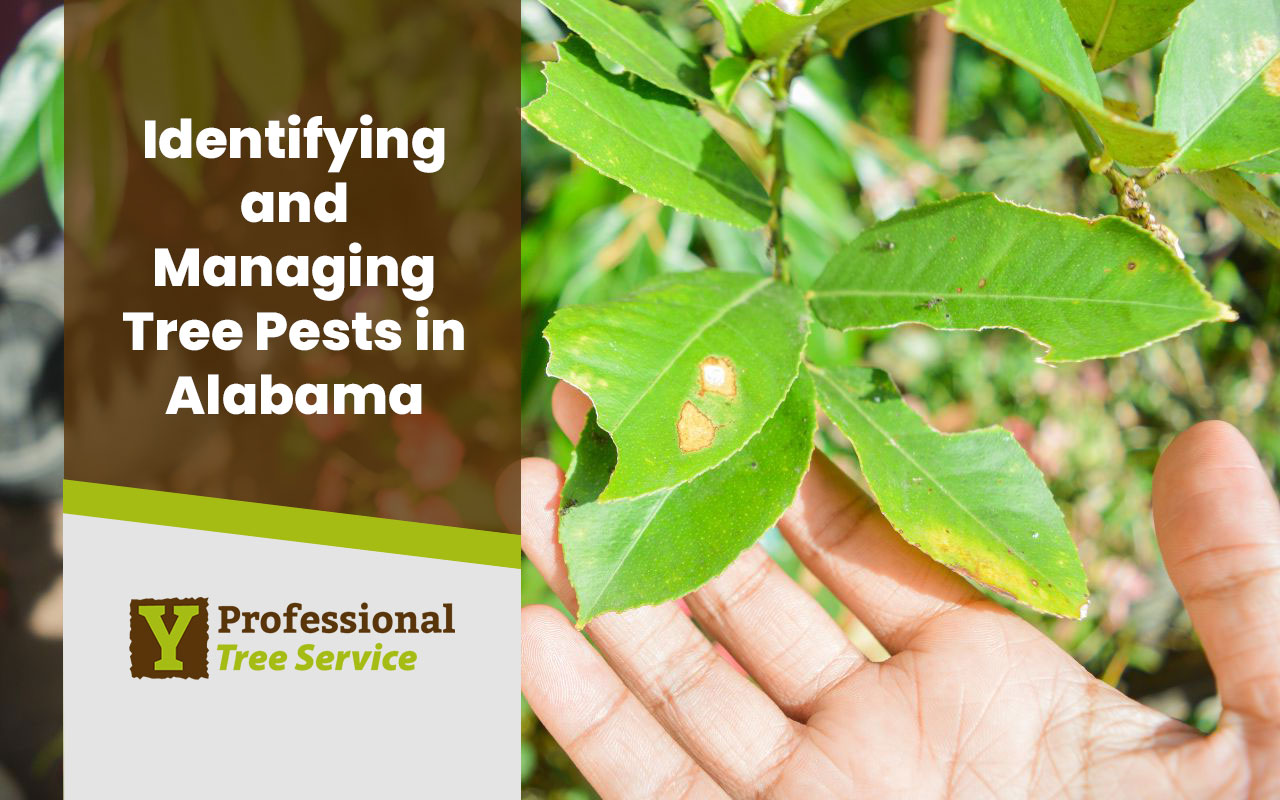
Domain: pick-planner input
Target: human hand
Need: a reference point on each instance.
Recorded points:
(973, 702)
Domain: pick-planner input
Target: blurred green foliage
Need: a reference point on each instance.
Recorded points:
(1096, 429)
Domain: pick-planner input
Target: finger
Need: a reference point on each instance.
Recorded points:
(570, 406)
(614, 740)
(540, 482)
(726, 723)
(895, 589)
(776, 631)
(1219, 529)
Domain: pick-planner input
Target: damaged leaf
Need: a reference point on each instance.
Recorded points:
(973, 501)
(682, 372)
(1082, 288)
(1220, 87)
(651, 548)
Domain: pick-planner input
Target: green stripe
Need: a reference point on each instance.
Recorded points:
(291, 524)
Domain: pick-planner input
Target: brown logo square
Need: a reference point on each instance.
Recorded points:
(169, 638)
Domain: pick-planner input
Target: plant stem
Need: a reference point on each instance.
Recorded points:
(1130, 193)
(777, 243)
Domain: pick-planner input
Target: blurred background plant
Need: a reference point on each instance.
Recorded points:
(908, 115)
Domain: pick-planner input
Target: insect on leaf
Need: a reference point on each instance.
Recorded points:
(658, 546)
(1037, 36)
(650, 139)
(637, 43)
(1113, 30)
(1083, 288)
(683, 372)
(1220, 87)
(973, 501)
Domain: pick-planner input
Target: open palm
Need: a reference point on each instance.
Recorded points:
(973, 702)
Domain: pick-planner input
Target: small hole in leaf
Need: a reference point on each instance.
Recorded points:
(716, 375)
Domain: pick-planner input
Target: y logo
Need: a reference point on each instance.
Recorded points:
(169, 638)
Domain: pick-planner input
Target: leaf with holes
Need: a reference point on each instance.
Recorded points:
(1220, 87)
(1083, 288)
(654, 547)
(637, 43)
(682, 372)
(972, 501)
(1113, 30)
(645, 137)
(1037, 36)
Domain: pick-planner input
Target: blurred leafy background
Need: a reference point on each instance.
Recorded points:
(908, 115)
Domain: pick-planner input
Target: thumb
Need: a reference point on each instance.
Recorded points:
(1219, 528)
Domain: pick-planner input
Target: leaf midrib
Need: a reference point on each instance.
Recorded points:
(950, 296)
(640, 51)
(729, 188)
(892, 442)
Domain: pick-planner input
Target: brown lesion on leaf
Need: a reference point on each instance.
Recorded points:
(694, 430)
(1271, 78)
(716, 375)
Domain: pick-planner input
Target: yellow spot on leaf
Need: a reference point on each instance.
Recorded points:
(694, 429)
(1271, 78)
(717, 376)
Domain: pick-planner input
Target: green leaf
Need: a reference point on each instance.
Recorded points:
(1037, 36)
(972, 501)
(25, 83)
(842, 19)
(1083, 288)
(259, 47)
(662, 545)
(773, 33)
(166, 73)
(637, 43)
(1268, 164)
(730, 14)
(645, 137)
(1113, 30)
(53, 147)
(683, 371)
(727, 77)
(1220, 87)
(590, 466)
